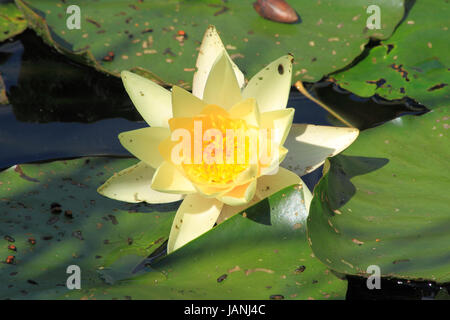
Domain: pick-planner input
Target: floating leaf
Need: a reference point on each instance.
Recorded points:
(12, 21)
(259, 254)
(413, 62)
(384, 202)
(56, 206)
(158, 39)
(256, 255)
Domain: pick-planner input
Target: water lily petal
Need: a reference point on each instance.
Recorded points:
(210, 191)
(266, 186)
(246, 110)
(309, 145)
(195, 216)
(169, 179)
(133, 185)
(239, 195)
(280, 121)
(185, 104)
(210, 49)
(222, 87)
(248, 174)
(153, 102)
(181, 123)
(270, 184)
(213, 109)
(142, 143)
(275, 162)
(271, 85)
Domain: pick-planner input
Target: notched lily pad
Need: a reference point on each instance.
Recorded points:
(384, 202)
(412, 63)
(159, 39)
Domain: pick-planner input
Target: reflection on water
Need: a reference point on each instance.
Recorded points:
(44, 86)
(22, 142)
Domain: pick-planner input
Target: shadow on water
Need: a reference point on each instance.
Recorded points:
(58, 109)
(364, 113)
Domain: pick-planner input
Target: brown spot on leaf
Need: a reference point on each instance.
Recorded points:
(95, 23)
(113, 219)
(379, 83)
(147, 30)
(234, 269)
(437, 86)
(19, 170)
(222, 277)
(10, 260)
(68, 214)
(77, 234)
(52, 220)
(399, 68)
(297, 226)
(222, 10)
(9, 238)
(400, 260)
(300, 269)
(249, 271)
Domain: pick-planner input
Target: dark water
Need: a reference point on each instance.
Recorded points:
(61, 110)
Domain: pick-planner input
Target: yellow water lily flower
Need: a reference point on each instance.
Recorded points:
(213, 190)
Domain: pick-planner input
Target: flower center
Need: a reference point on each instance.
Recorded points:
(220, 146)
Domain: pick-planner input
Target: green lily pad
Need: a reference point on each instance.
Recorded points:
(99, 232)
(384, 202)
(262, 254)
(12, 21)
(413, 62)
(144, 36)
(256, 255)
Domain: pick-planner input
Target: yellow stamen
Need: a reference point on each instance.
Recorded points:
(209, 171)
